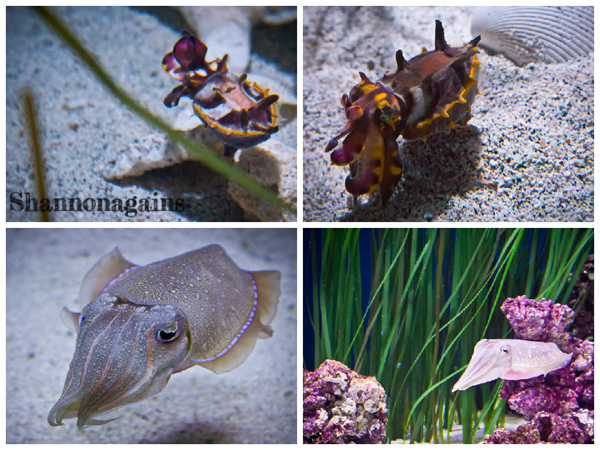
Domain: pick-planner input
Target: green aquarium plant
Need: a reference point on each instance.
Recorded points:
(35, 139)
(408, 306)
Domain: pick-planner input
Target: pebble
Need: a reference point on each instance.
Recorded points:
(75, 103)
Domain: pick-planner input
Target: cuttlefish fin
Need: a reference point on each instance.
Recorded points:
(268, 289)
(107, 269)
(70, 319)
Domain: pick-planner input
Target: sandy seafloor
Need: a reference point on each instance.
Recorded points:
(85, 127)
(526, 155)
(255, 403)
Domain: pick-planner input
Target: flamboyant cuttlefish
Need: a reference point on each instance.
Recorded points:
(511, 359)
(139, 325)
(432, 92)
(241, 114)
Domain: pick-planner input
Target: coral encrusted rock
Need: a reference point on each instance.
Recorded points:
(549, 428)
(540, 320)
(558, 406)
(342, 407)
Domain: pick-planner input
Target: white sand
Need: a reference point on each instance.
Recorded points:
(527, 154)
(255, 403)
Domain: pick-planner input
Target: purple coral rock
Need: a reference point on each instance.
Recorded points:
(558, 430)
(500, 436)
(586, 396)
(559, 405)
(549, 428)
(583, 359)
(526, 434)
(540, 320)
(586, 423)
(562, 391)
(341, 406)
(533, 400)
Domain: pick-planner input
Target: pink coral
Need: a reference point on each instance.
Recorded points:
(500, 436)
(540, 320)
(546, 427)
(557, 405)
(341, 406)
(562, 391)
(532, 400)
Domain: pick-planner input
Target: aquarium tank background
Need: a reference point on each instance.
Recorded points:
(408, 306)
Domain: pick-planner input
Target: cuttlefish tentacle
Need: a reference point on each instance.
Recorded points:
(149, 322)
(511, 359)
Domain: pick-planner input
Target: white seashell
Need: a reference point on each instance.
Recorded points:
(272, 163)
(153, 152)
(156, 151)
(226, 29)
(525, 34)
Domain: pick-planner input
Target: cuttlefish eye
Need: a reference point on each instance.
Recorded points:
(504, 349)
(168, 332)
(385, 113)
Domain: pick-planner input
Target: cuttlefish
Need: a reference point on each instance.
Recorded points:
(511, 359)
(140, 324)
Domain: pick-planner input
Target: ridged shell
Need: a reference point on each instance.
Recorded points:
(524, 34)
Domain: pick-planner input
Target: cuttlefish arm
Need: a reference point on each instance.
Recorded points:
(511, 359)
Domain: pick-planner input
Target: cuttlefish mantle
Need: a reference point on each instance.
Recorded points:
(139, 325)
(511, 359)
